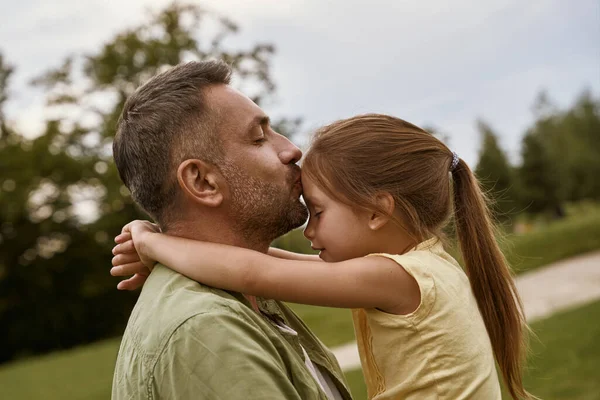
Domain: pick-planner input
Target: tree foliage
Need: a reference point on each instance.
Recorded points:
(61, 200)
(561, 155)
(495, 173)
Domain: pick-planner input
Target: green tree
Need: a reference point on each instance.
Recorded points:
(539, 175)
(5, 72)
(38, 280)
(495, 173)
(55, 290)
(579, 157)
(538, 179)
(561, 155)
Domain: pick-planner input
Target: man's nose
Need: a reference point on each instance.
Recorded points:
(290, 153)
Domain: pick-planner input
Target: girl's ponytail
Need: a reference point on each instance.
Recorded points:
(490, 277)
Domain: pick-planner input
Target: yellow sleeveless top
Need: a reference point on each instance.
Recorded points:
(441, 350)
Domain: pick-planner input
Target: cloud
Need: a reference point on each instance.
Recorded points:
(431, 62)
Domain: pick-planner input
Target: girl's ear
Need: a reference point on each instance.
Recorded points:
(201, 182)
(386, 203)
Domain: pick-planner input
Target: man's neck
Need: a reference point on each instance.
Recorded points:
(217, 233)
(220, 234)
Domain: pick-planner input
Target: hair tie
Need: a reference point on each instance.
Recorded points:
(454, 161)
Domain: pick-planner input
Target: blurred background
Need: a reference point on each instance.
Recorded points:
(513, 87)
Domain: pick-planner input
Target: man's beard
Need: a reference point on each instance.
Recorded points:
(262, 211)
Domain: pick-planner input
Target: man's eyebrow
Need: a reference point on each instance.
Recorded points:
(259, 120)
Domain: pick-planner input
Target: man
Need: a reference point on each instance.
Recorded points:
(203, 161)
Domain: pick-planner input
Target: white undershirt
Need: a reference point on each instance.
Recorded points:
(323, 379)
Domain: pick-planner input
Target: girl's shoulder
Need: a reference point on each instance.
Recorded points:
(433, 269)
(423, 254)
(415, 266)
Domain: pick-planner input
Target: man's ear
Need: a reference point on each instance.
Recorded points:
(385, 202)
(201, 182)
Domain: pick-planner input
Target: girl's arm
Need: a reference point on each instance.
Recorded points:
(368, 282)
(289, 255)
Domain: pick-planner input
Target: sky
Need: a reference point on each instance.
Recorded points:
(432, 62)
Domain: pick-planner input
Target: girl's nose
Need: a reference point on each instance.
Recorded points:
(309, 232)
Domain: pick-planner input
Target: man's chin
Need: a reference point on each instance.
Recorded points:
(295, 216)
(300, 214)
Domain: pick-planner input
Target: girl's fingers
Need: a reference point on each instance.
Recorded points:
(121, 259)
(123, 237)
(129, 269)
(124, 247)
(133, 283)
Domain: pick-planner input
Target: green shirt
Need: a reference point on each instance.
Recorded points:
(185, 340)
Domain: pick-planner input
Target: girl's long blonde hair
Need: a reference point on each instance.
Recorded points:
(356, 158)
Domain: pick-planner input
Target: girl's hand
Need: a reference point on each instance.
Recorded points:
(129, 258)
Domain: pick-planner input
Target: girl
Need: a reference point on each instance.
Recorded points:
(379, 191)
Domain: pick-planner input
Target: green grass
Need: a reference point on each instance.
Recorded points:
(83, 373)
(557, 241)
(356, 384)
(564, 362)
(565, 359)
(332, 325)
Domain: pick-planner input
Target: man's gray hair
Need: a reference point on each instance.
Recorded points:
(165, 122)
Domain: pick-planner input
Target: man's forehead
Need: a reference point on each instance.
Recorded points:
(229, 102)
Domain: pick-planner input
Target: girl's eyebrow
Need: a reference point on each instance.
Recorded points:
(310, 203)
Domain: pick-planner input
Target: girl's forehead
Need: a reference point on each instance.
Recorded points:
(311, 192)
(308, 188)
